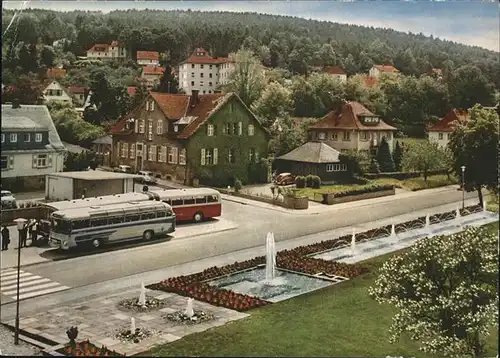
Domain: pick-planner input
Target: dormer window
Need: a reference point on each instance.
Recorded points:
(26, 137)
(210, 130)
(176, 128)
(13, 137)
(321, 135)
(38, 137)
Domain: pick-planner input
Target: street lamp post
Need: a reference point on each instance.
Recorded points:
(463, 186)
(20, 227)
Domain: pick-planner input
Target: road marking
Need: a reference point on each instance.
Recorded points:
(30, 285)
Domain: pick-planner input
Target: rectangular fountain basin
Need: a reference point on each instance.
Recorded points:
(285, 285)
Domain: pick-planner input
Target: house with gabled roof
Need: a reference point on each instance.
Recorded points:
(147, 58)
(336, 72)
(151, 75)
(212, 138)
(54, 91)
(107, 51)
(377, 70)
(441, 131)
(352, 127)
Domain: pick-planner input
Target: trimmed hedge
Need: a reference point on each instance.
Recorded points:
(300, 182)
(372, 188)
(402, 175)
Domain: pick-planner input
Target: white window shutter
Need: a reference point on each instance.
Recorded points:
(34, 160)
(152, 106)
(49, 163)
(240, 128)
(175, 154)
(136, 125)
(147, 105)
(216, 155)
(203, 156)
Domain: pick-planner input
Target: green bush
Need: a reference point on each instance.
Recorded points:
(300, 181)
(237, 185)
(373, 167)
(315, 182)
(372, 188)
(309, 181)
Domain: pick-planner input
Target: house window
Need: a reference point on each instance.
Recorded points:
(347, 136)
(159, 127)
(251, 130)
(329, 168)
(3, 138)
(13, 137)
(182, 157)
(334, 136)
(231, 156)
(192, 74)
(210, 83)
(38, 137)
(141, 126)
(201, 74)
(201, 83)
(132, 151)
(440, 135)
(5, 162)
(321, 135)
(336, 167)
(448, 136)
(365, 135)
(41, 161)
(152, 153)
(192, 65)
(152, 106)
(192, 83)
(240, 128)
(170, 151)
(210, 74)
(209, 156)
(210, 68)
(201, 66)
(124, 150)
(251, 156)
(26, 137)
(210, 130)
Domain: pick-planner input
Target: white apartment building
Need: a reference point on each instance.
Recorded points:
(107, 52)
(203, 72)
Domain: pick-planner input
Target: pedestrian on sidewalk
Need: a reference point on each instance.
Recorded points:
(23, 234)
(5, 238)
(34, 233)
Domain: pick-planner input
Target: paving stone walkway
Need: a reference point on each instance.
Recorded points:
(100, 319)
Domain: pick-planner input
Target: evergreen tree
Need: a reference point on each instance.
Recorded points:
(373, 168)
(398, 154)
(168, 82)
(384, 157)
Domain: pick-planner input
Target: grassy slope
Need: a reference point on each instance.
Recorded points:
(340, 320)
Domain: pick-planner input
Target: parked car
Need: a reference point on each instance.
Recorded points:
(147, 177)
(284, 179)
(124, 169)
(8, 200)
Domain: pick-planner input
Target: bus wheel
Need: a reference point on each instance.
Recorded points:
(197, 217)
(148, 235)
(96, 243)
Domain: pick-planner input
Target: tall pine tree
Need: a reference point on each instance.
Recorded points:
(384, 157)
(168, 82)
(398, 154)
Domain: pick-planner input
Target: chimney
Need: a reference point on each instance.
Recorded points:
(16, 103)
(193, 101)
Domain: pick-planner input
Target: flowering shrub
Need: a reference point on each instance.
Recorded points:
(213, 295)
(314, 266)
(87, 349)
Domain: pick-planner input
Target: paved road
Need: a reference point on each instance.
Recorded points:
(253, 222)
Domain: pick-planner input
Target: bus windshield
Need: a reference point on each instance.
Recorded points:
(61, 226)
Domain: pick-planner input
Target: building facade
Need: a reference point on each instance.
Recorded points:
(336, 72)
(107, 52)
(56, 92)
(145, 58)
(212, 138)
(151, 75)
(352, 127)
(203, 72)
(103, 147)
(441, 131)
(31, 147)
(377, 70)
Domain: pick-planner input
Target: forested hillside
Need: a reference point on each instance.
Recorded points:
(288, 42)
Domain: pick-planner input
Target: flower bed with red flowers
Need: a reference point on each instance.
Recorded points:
(296, 259)
(314, 266)
(210, 294)
(87, 349)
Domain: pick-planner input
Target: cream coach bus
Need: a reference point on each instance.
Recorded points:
(98, 225)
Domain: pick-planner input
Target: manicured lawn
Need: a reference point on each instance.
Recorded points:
(341, 320)
(309, 192)
(492, 204)
(414, 184)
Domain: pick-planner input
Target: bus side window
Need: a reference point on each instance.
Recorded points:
(116, 220)
(201, 200)
(177, 202)
(98, 222)
(212, 199)
(130, 218)
(188, 201)
(168, 201)
(161, 214)
(80, 224)
(147, 216)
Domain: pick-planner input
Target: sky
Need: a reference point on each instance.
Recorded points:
(471, 22)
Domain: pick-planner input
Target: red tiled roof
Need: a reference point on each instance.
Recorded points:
(99, 48)
(333, 70)
(56, 72)
(76, 89)
(148, 55)
(449, 121)
(153, 70)
(173, 105)
(131, 90)
(202, 57)
(348, 118)
(386, 68)
(370, 81)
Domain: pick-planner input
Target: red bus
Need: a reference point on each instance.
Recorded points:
(195, 204)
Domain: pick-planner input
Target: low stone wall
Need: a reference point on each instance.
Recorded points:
(288, 202)
(9, 215)
(331, 199)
